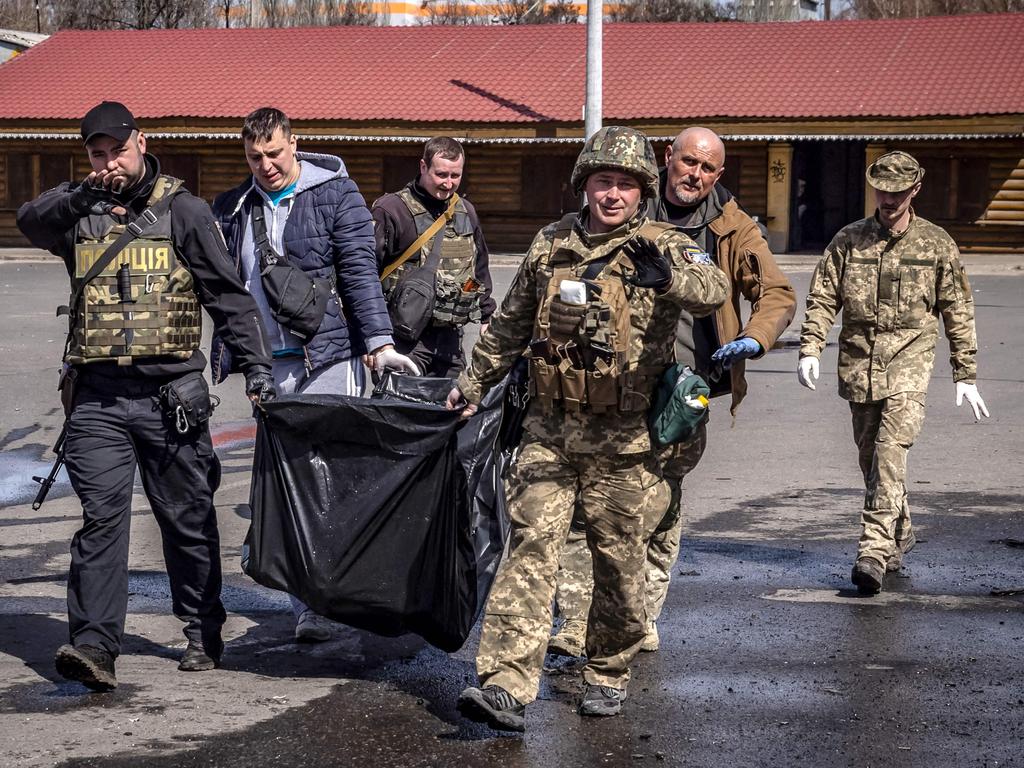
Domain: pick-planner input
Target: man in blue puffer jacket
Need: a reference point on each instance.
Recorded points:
(316, 219)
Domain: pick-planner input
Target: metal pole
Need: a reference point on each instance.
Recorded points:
(592, 109)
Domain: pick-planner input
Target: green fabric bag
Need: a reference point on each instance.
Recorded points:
(680, 406)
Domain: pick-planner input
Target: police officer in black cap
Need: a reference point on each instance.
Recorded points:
(143, 256)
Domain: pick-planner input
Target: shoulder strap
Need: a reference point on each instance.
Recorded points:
(428, 233)
(562, 230)
(134, 230)
(264, 250)
(652, 230)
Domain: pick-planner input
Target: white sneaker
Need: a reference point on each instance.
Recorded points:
(312, 628)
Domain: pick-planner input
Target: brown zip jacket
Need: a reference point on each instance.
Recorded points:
(742, 253)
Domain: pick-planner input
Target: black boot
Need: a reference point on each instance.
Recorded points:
(197, 659)
(88, 664)
(868, 575)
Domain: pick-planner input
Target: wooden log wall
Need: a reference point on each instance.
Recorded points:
(506, 182)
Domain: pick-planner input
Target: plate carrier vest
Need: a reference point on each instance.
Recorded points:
(164, 320)
(457, 297)
(585, 362)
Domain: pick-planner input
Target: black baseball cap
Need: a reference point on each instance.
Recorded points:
(108, 118)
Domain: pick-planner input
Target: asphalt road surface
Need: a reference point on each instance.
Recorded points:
(768, 655)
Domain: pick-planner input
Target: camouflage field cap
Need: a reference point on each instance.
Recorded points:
(894, 172)
(618, 148)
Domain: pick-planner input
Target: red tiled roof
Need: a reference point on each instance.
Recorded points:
(938, 66)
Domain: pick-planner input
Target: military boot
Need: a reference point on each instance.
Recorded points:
(494, 706)
(570, 640)
(93, 667)
(903, 546)
(868, 574)
(200, 658)
(602, 701)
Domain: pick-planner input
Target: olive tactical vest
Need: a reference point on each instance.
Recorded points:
(458, 294)
(162, 317)
(581, 354)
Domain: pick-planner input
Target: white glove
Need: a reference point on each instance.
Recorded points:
(387, 359)
(807, 371)
(970, 391)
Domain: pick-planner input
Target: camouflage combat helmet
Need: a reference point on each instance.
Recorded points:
(618, 148)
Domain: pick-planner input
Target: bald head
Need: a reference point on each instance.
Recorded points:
(694, 163)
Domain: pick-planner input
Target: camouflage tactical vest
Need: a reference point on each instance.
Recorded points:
(457, 293)
(163, 320)
(581, 354)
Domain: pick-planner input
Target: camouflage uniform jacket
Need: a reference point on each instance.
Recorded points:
(697, 288)
(891, 290)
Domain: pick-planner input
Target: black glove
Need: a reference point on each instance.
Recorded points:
(260, 383)
(87, 200)
(652, 268)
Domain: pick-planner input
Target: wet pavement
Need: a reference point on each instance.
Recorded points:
(768, 655)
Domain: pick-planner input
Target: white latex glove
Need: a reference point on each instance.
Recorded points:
(455, 401)
(807, 371)
(386, 358)
(969, 390)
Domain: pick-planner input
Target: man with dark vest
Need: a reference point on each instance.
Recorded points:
(428, 236)
(143, 255)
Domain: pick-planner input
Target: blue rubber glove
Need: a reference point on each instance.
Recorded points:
(740, 349)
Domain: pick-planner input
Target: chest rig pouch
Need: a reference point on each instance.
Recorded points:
(141, 302)
(580, 355)
(442, 290)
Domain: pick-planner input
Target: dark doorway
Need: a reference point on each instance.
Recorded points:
(827, 192)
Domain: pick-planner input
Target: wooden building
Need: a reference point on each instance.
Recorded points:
(803, 107)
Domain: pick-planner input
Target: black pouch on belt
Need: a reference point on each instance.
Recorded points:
(188, 401)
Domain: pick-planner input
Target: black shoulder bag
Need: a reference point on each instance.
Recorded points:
(297, 301)
(411, 303)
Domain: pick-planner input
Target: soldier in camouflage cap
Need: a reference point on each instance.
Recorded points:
(894, 172)
(893, 275)
(134, 341)
(595, 350)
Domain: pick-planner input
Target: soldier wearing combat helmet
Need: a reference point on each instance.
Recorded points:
(893, 275)
(594, 308)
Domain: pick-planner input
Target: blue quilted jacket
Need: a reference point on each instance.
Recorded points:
(328, 229)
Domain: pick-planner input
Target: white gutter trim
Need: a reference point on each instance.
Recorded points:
(354, 138)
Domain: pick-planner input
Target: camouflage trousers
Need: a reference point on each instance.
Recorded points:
(575, 582)
(621, 498)
(884, 431)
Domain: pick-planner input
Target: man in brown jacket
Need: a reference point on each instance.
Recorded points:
(716, 347)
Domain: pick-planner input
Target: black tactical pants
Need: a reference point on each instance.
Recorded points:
(438, 352)
(116, 424)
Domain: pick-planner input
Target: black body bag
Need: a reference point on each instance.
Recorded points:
(383, 514)
(297, 300)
